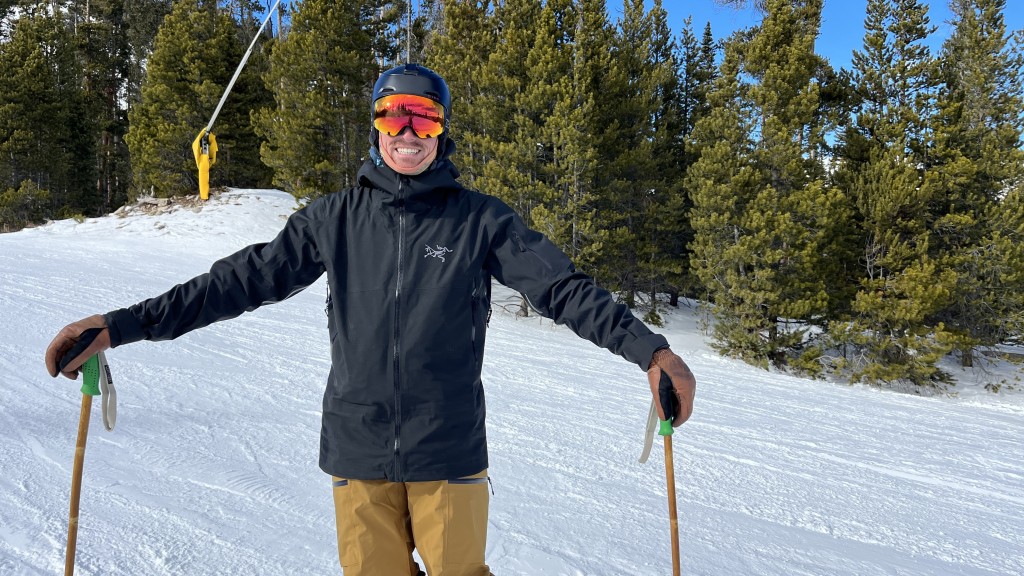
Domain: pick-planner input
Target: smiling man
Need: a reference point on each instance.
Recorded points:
(407, 153)
(408, 128)
(409, 256)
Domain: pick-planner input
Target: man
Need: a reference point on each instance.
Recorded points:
(409, 256)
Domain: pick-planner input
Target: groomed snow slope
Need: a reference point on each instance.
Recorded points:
(212, 469)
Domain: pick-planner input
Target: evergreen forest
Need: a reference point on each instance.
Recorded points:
(862, 223)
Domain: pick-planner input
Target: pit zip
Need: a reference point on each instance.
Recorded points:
(524, 249)
(398, 306)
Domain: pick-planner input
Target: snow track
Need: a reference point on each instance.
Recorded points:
(212, 469)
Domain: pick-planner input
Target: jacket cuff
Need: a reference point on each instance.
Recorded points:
(641, 350)
(124, 328)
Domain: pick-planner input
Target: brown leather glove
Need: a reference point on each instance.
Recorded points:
(83, 338)
(683, 383)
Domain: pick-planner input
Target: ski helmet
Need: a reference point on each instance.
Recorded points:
(416, 80)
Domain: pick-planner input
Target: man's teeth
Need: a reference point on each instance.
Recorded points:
(407, 150)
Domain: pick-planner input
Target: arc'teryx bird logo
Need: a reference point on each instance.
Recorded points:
(438, 252)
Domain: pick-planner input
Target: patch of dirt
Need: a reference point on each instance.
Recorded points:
(155, 206)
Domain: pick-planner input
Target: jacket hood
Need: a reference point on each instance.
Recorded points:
(441, 175)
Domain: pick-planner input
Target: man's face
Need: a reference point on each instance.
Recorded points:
(407, 153)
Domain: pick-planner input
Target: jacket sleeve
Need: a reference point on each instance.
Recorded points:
(255, 275)
(526, 261)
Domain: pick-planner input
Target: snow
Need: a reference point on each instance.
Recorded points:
(212, 468)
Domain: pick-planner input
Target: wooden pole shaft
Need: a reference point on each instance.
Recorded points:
(670, 475)
(76, 484)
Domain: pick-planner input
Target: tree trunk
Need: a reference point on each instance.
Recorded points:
(967, 357)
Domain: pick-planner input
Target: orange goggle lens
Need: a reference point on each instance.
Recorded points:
(392, 114)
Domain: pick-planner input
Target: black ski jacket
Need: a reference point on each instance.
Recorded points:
(409, 261)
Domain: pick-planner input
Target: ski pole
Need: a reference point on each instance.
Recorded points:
(665, 395)
(670, 477)
(90, 388)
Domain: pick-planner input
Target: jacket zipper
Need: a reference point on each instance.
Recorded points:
(523, 248)
(398, 304)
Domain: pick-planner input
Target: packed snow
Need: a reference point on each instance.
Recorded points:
(212, 468)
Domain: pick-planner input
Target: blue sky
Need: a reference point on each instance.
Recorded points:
(842, 22)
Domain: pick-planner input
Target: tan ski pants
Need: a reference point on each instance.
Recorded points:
(381, 522)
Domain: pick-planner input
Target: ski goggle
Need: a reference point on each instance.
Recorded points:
(395, 112)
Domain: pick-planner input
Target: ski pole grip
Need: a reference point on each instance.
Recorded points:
(669, 404)
(85, 339)
(91, 376)
(665, 429)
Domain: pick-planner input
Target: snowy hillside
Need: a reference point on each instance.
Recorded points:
(212, 469)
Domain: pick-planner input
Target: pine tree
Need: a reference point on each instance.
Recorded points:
(666, 224)
(890, 333)
(592, 41)
(560, 78)
(768, 281)
(321, 74)
(894, 77)
(23, 207)
(195, 54)
(1001, 268)
(459, 48)
(45, 139)
(505, 148)
(794, 219)
(902, 286)
(633, 183)
(101, 29)
(548, 95)
(722, 184)
(143, 19)
(976, 159)
(697, 73)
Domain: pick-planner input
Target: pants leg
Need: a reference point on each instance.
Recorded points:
(374, 529)
(449, 521)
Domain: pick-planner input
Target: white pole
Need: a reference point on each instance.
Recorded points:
(241, 65)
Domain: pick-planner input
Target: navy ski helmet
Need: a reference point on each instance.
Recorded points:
(416, 80)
